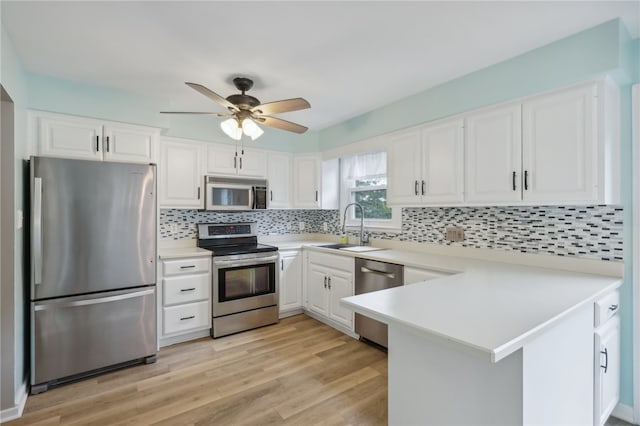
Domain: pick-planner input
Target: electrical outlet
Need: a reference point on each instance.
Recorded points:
(455, 234)
(325, 227)
(173, 227)
(301, 226)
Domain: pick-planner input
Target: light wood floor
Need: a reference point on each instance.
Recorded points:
(298, 372)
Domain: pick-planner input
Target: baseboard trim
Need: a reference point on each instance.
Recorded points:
(331, 323)
(623, 412)
(15, 412)
(290, 313)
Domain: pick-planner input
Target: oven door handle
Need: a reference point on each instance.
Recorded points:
(244, 262)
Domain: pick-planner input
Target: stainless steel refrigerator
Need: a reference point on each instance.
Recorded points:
(93, 267)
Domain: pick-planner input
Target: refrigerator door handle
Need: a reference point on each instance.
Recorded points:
(45, 306)
(37, 231)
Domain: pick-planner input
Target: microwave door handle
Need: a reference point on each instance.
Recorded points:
(252, 198)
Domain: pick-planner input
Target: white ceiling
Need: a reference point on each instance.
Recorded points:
(345, 58)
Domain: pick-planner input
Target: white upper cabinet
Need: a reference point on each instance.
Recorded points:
(180, 174)
(229, 160)
(559, 147)
(426, 165)
(59, 135)
(307, 176)
(443, 162)
(128, 143)
(404, 168)
(279, 178)
(493, 155)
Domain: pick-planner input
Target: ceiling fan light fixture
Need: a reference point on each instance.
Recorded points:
(251, 129)
(232, 128)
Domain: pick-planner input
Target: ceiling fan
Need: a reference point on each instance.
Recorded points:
(246, 110)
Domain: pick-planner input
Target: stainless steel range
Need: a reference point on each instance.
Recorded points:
(245, 277)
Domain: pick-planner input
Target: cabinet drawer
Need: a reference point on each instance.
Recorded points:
(333, 261)
(185, 266)
(186, 317)
(186, 288)
(606, 307)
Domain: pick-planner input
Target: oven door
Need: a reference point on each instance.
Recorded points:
(244, 282)
(227, 196)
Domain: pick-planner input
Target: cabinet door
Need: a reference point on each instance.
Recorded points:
(442, 162)
(403, 169)
(222, 159)
(559, 146)
(180, 175)
(340, 285)
(253, 163)
(70, 138)
(279, 178)
(126, 143)
(317, 291)
(306, 182)
(493, 155)
(607, 374)
(290, 280)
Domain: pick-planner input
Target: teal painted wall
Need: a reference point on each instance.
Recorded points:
(13, 80)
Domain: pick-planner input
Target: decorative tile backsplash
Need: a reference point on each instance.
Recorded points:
(593, 232)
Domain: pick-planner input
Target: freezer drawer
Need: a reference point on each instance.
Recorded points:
(75, 335)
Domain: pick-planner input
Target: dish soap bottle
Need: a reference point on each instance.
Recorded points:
(344, 239)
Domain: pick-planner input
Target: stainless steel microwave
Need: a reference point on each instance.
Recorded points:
(223, 193)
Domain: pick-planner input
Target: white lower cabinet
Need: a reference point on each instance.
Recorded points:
(290, 290)
(607, 357)
(185, 303)
(329, 278)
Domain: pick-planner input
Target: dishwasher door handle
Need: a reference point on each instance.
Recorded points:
(366, 270)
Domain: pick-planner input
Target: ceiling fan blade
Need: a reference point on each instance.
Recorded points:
(277, 107)
(213, 96)
(219, 114)
(281, 124)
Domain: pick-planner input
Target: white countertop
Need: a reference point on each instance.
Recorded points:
(180, 252)
(494, 308)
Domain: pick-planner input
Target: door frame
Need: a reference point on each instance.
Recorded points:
(635, 147)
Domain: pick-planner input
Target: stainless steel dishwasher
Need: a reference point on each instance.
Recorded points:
(372, 275)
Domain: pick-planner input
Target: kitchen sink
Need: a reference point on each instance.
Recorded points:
(350, 247)
(336, 246)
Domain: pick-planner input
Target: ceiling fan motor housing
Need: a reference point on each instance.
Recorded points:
(243, 101)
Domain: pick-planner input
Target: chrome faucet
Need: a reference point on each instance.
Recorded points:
(363, 238)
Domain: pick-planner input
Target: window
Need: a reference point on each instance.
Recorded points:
(364, 181)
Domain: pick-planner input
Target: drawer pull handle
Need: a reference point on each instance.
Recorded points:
(612, 308)
(606, 360)
(188, 267)
(188, 289)
(193, 316)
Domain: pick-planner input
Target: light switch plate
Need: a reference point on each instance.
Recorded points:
(455, 234)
